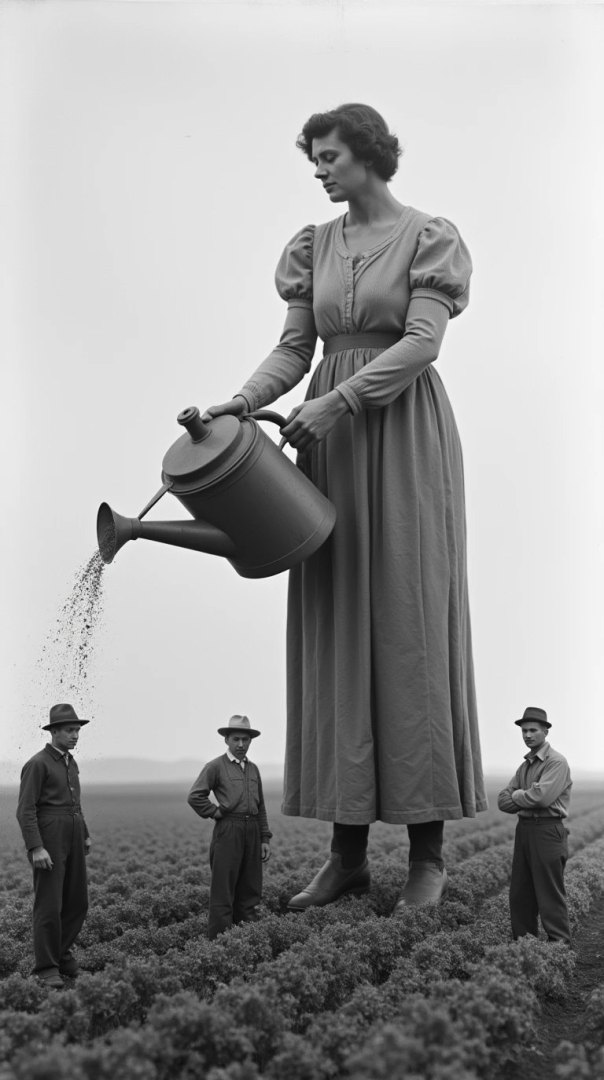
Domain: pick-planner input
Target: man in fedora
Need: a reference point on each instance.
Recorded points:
(240, 841)
(539, 793)
(57, 842)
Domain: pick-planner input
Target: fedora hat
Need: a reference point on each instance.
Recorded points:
(63, 714)
(534, 714)
(239, 724)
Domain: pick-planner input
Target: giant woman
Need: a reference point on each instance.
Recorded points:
(381, 707)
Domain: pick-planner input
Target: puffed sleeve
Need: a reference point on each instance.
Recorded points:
(442, 266)
(290, 360)
(293, 276)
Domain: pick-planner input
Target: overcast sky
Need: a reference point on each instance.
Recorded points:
(150, 182)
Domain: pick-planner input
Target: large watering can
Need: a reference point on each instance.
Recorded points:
(249, 502)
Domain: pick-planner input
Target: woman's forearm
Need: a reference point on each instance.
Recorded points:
(383, 379)
(287, 364)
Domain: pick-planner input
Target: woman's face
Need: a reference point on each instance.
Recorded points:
(342, 174)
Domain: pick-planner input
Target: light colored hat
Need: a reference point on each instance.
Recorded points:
(534, 714)
(63, 714)
(239, 724)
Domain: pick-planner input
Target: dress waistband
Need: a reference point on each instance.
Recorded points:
(240, 817)
(359, 341)
(45, 809)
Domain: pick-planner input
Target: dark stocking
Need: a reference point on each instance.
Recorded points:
(350, 842)
(426, 842)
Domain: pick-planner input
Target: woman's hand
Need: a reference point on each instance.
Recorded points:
(237, 406)
(310, 422)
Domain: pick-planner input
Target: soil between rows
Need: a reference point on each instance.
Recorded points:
(565, 1021)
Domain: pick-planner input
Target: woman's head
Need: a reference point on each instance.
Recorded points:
(363, 130)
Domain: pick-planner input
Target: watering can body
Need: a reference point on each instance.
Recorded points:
(248, 502)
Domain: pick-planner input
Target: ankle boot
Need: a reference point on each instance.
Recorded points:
(330, 883)
(426, 884)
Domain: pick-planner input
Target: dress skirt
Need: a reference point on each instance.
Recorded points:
(382, 719)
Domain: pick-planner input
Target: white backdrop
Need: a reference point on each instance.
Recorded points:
(150, 182)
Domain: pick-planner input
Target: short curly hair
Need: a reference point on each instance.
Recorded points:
(363, 130)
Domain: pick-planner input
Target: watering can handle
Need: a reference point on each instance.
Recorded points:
(275, 417)
(268, 414)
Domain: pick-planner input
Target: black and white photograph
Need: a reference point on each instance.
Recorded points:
(303, 545)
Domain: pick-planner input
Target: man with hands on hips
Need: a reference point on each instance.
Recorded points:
(57, 841)
(241, 838)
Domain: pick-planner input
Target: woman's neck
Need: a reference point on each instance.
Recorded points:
(377, 207)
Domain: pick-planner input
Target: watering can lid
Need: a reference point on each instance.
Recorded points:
(204, 447)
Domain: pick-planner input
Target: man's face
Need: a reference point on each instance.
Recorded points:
(65, 736)
(238, 744)
(534, 735)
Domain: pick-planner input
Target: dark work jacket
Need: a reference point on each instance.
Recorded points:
(47, 784)
(237, 790)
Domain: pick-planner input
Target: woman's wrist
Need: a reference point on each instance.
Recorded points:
(347, 394)
(337, 402)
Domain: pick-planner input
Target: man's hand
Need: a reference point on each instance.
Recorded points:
(87, 846)
(309, 423)
(266, 852)
(41, 860)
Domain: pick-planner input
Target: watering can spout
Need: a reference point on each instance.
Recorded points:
(114, 530)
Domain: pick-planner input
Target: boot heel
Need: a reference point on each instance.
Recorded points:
(358, 890)
(426, 884)
(330, 884)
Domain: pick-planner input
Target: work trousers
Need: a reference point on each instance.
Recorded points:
(236, 864)
(537, 885)
(60, 894)
(425, 843)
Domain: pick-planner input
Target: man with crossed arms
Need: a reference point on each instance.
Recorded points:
(539, 793)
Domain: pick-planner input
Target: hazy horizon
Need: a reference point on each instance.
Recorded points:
(124, 770)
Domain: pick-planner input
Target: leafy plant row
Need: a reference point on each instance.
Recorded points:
(126, 930)
(374, 997)
(585, 1061)
(440, 1030)
(125, 900)
(186, 950)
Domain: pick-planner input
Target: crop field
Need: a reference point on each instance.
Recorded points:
(342, 991)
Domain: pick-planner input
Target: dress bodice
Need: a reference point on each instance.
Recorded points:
(371, 291)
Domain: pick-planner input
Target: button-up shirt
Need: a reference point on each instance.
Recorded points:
(49, 781)
(241, 762)
(540, 787)
(237, 790)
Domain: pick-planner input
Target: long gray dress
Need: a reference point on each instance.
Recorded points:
(381, 710)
